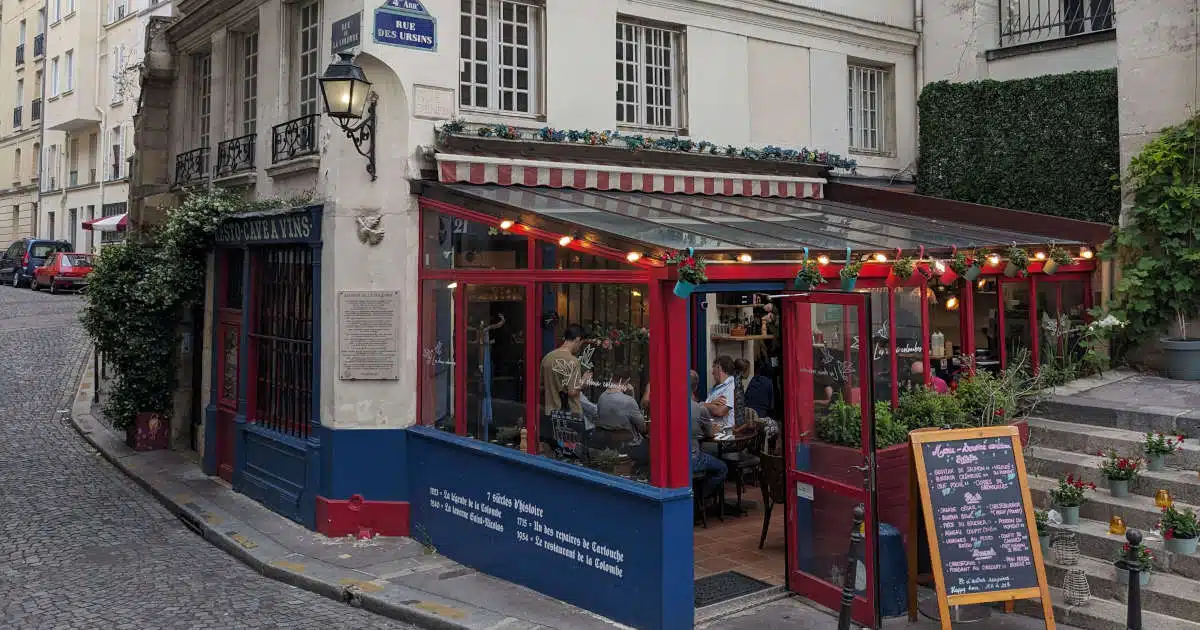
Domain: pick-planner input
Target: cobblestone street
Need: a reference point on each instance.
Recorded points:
(81, 545)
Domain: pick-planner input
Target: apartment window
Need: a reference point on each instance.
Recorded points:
(54, 77)
(867, 109)
(57, 10)
(41, 20)
(308, 48)
(20, 92)
(73, 162)
(117, 9)
(21, 39)
(50, 221)
(499, 56)
(37, 84)
(648, 76)
(118, 72)
(202, 73)
(70, 61)
(93, 151)
(118, 152)
(249, 83)
(16, 218)
(37, 159)
(51, 164)
(17, 166)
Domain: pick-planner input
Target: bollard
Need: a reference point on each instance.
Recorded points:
(1133, 616)
(848, 590)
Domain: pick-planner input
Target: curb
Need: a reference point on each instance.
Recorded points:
(88, 426)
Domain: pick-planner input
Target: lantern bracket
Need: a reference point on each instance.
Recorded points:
(363, 134)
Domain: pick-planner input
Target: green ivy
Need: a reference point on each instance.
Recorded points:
(1047, 144)
(1159, 248)
(138, 293)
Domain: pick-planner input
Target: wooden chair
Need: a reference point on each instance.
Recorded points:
(773, 481)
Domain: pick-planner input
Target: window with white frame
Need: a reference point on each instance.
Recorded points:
(499, 56)
(17, 166)
(70, 70)
(117, 9)
(868, 101)
(202, 88)
(649, 82)
(308, 48)
(21, 39)
(118, 153)
(54, 77)
(20, 92)
(250, 84)
(52, 168)
(70, 7)
(118, 72)
(93, 156)
(57, 10)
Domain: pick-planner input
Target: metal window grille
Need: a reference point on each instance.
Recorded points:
(308, 49)
(202, 72)
(1025, 21)
(282, 338)
(498, 55)
(647, 75)
(867, 100)
(250, 84)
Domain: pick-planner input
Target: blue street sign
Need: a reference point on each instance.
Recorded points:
(393, 28)
(410, 6)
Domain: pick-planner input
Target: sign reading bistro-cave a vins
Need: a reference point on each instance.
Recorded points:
(297, 225)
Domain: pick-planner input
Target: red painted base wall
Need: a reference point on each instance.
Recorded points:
(346, 517)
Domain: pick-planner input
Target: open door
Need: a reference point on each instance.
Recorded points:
(830, 447)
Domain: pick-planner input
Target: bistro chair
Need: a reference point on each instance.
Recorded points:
(742, 456)
(773, 481)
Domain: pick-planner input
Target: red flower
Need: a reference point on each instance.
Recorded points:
(1169, 534)
(1070, 478)
(1125, 548)
(614, 333)
(1100, 453)
(1092, 486)
(1180, 438)
(689, 260)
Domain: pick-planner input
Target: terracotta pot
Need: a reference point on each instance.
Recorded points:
(148, 433)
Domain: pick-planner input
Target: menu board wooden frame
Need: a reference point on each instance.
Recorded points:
(1041, 591)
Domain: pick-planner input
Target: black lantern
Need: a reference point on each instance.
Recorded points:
(348, 97)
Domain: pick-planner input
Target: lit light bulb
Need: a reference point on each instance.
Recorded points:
(636, 293)
(564, 241)
(1086, 254)
(1040, 255)
(506, 224)
(939, 266)
(745, 258)
(952, 304)
(881, 258)
(994, 260)
(822, 259)
(633, 256)
(982, 283)
(452, 285)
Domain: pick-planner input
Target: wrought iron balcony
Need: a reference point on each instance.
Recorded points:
(294, 138)
(1027, 21)
(192, 166)
(39, 45)
(35, 110)
(20, 54)
(235, 155)
(16, 116)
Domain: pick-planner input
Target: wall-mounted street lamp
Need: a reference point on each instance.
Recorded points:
(348, 97)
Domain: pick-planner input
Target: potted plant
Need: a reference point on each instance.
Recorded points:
(1157, 446)
(606, 460)
(1058, 257)
(901, 271)
(809, 276)
(1182, 353)
(1119, 471)
(849, 274)
(1143, 558)
(1178, 529)
(1068, 496)
(953, 269)
(967, 267)
(691, 272)
(1042, 519)
(1018, 262)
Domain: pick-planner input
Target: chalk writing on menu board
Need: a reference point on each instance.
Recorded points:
(982, 530)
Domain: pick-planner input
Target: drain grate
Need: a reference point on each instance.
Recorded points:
(721, 587)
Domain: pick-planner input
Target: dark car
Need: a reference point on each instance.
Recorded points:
(18, 262)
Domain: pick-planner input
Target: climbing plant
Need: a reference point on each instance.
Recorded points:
(1048, 144)
(1158, 250)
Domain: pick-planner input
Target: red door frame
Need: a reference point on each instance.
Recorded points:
(229, 318)
(800, 426)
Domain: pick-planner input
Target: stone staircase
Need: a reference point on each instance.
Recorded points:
(1068, 444)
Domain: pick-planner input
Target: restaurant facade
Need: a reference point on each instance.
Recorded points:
(376, 357)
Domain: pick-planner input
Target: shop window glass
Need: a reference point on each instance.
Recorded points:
(609, 427)
(881, 365)
(1062, 320)
(1017, 331)
(496, 410)
(437, 355)
(231, 290)
(555, 257)
(987, 325)
(454, 243)
(1051, 326)
(909, 344)
(945, 332)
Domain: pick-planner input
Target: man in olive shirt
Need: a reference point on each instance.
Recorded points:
(562, 374)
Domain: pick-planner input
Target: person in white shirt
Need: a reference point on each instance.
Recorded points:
(720, 402)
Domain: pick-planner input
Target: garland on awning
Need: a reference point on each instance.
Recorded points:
(639, 142)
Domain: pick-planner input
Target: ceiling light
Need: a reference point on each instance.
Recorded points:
(881, 258)
(636, 293)
(506, 224)
(994, 260)
(745, 258)
(982, 283)
(1086, 253)
(952, 304)
(1040, 255)
(452, 285)
(633, 256)
(564, 241)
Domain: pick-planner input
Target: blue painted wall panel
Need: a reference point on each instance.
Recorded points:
(616, 547)
(370, 462)
(274, 471)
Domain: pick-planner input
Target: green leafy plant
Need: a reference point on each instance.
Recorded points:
(1071, 492)
(888, 430)
(1117, 468)
(809, 275)
(850, 270)
(691, 269)
(922, 407)
(1178, 523)
(1158, 248)
(1160, 444)
(959, 263)
(606, 460)
(903, 267)
(841, 424)
(1016, 144)
(1042, 519)
(1018, 257)
(1060, 256)
(1143, 557)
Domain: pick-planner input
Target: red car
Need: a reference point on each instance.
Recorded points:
(63, 271)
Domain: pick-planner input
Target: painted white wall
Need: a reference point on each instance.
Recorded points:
(778, 77)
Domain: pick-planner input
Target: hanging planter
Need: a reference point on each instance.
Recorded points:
(809, 276)
(957, 267)
(1018, 262)
(849, 274)
(1059, 257)
(691, 272)
(683, 288)
(901, 271)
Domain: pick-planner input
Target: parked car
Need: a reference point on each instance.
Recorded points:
(18, 262)
(63, 270)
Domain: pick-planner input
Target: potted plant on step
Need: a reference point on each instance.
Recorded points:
(1144, 561)
(849, 274)
(1119, 471)
(1178, 527)
(1157, 447)
(1018, 261)
(1042, 519)
(809, 276)
(1182, 353)
(691, 272)
(1068, 496)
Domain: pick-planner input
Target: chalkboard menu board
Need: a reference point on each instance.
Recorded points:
(979, 516)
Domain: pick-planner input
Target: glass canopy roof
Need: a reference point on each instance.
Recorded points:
(709, 223)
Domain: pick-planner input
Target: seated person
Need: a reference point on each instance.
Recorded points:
(918, 374)
(714, 469)
(619, 420)
(720, 401)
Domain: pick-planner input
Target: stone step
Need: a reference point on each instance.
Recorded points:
(1096, 542)
(1105, 413)
(1138, 511)
(1166, 594)
(1100, 614)
(1183, 485)
(1071, 436)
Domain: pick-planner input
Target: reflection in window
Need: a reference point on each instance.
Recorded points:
(437, 355)
(453, 243)
(945, 334)
(1016, 318)
(881, 364)
(909, 346)
(496, 363)
(613, 365)
(555, 257)
(987, 325)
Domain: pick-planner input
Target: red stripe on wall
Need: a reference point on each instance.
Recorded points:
(648, 183)
(668, 184)
(626, 181)
(504, 174)
(556, 178)
(747, 188)
(581, 178)
(531, 176)
(477, 174)
(449, 172)
(602, 180)
(728, 188)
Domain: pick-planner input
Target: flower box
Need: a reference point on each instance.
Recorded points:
(149, 432)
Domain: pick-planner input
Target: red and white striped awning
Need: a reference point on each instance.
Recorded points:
(115, 223)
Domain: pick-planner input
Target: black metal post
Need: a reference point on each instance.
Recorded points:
(848, 590)
(95, 374)
(1132, 564)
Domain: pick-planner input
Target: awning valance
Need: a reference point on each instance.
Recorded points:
(115, 223)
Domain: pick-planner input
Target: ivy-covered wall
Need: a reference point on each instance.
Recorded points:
(1047, 144)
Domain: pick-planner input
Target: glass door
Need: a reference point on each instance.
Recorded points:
(830, 438)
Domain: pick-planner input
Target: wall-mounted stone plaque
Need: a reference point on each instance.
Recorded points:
(369, 335)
